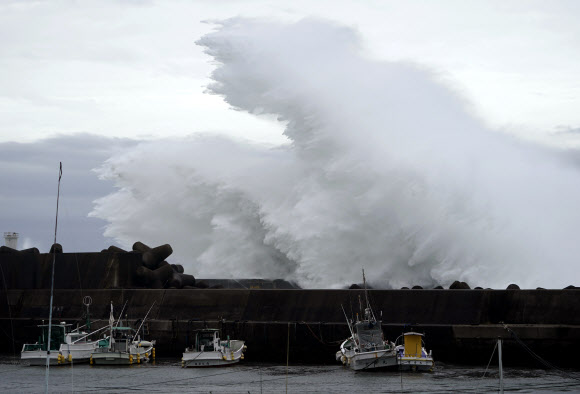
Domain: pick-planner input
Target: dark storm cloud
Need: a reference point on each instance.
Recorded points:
(28, 190)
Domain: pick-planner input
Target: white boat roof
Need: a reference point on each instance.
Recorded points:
(413, 333)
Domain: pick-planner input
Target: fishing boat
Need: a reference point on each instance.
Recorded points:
(412, 355)
(366, 348)
(66, 345)
(208, 350)
(123, 346)
(36, 353)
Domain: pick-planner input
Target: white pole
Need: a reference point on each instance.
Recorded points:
(499, 354)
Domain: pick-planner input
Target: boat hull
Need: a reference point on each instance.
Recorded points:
(416, 364)
(211, 359)
(114, 358)
(38, 357)
(372, 360)
(79, 353)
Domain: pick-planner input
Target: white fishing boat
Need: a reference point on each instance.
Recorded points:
(123, 346)
(67, 346)
(412, 355)
(36, 353)
(208, 350)
(366, 348)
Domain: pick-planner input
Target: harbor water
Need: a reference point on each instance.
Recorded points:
(166, 376)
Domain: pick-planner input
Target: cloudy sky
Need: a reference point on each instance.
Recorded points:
(81, 81)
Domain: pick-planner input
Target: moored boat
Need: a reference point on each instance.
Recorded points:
(366, 348)
(36, 353)
(208, 350)
(412, 355)
(123, 346)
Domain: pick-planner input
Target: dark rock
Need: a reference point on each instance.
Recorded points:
(540, 288)
(478, 288)
(187, 280)
(56, 248)
(201, 285)
(438, 288)
(457, 285)
(354, 286)
(404, 288)
(154, 278)
(570, 287)
(140, 247)
(178, 268)
(417, 288)
(6, 249)
(163, 263)
(513, 286)
(217, 287)
(115, 249)
(152, 257)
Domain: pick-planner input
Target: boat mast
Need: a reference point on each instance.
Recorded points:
(111, 322)
(368, 308)
(52, 282)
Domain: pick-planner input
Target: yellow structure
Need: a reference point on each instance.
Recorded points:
(413, 345)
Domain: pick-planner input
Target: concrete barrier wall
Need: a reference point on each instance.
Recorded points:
(72, 270)
(398, 306)
(460, 325)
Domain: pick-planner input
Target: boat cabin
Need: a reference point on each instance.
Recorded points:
(206, 340)
(413, 344)
(58, 334)
(370, 336)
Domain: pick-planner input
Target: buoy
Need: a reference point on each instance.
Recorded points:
(138, 359)
(153, 353)
(91, 360)
(70, 358)
(242, 357)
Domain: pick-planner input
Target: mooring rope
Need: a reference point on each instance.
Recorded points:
(537, 357)
(492, 353)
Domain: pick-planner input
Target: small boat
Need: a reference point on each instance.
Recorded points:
(412, 355)
(65, 346)
(366, 348)
(36, 353)
(209, 350)
(123, 346)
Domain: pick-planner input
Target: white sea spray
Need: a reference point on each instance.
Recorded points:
(385, 169)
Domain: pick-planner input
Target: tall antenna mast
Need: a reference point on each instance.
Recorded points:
(372, 314)
(52, 283)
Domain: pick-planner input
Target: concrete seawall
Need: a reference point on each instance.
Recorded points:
(460, 325)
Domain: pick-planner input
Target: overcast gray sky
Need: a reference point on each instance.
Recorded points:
(121, 71)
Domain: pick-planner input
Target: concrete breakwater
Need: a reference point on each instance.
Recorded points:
(460, 325)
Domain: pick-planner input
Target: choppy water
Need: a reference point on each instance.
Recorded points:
(166, 376)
